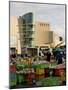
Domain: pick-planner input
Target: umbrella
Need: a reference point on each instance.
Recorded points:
(58, 50)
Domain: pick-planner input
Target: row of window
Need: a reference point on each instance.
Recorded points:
(41, 24)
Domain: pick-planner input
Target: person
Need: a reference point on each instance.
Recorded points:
(48, 55)
(51, 51)
(54, 53)
(59, 57)
(41, 53)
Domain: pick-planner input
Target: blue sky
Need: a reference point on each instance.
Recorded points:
(54, 14)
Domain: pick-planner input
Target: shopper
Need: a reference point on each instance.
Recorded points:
(54, 53)
(48, 55)
(59, 57)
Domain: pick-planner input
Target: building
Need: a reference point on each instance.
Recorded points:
(33, 34)
(14, 35)
(43, 35)
(26, 30)
(25, 33)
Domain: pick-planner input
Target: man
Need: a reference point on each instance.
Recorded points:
(48, 55)
(59, 57)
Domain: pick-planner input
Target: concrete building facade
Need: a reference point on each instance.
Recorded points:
(14, 34)
(43, 35)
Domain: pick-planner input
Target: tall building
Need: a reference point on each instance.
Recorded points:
(25, 30)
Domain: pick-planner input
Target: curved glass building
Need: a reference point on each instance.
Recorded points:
(25, 30)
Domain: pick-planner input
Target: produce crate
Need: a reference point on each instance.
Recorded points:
(12, 68)
(29, 78)
(41, 66)
(38, 77)
(13, 83)
(12, 76)
(59, 72)
(39, 71)
(13, 80)
(46, 72)
(21, 79)
(50, 81)
(21, 66)
(52, 65)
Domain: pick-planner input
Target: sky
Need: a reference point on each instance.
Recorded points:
(52, 13)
